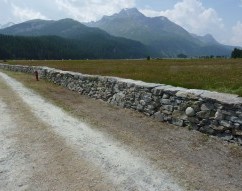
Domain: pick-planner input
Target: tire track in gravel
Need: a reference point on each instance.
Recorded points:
(118, 166)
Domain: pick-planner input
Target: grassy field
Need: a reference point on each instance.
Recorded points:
(224, 75)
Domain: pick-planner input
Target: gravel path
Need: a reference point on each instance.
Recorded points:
(12, 162)
(45, 148)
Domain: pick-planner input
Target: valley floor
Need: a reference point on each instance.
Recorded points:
(222, 75)
(54, 139)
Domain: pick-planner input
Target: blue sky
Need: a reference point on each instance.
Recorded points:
(221, 18)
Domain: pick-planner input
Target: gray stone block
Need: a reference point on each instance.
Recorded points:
(190, 112)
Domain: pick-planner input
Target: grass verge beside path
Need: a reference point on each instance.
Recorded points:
(223, 75)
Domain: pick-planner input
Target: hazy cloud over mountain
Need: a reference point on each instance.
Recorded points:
(24, 14)
(89, 10)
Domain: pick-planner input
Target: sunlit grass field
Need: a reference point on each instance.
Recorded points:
(223, 75)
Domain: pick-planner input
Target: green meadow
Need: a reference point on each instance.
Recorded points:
(223, 75)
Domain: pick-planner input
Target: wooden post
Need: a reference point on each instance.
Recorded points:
(36, 75)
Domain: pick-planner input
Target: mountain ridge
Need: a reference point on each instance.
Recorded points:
(133, 20)
(207, 38)
(159, 33)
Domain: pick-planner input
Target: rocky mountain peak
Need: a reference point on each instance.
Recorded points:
(130, 12)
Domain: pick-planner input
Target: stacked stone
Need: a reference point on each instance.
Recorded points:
(208, 112)
(21, 68)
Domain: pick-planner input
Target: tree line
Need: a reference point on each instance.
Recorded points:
(54, 47)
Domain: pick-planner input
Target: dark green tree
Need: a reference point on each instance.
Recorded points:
(237, 53)
(181, 56)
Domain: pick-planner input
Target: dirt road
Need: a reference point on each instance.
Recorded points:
(105, 148)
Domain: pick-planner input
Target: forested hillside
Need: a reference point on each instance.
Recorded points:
(53, 47)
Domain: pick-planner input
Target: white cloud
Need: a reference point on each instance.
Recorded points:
(150, 12)
(237, 34)
(193, 16)
(23, 14)
(91, 10)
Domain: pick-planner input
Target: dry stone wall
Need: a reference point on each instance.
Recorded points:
(209, 112)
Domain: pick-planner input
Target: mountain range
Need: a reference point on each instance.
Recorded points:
(165, 37)
(127, 34)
